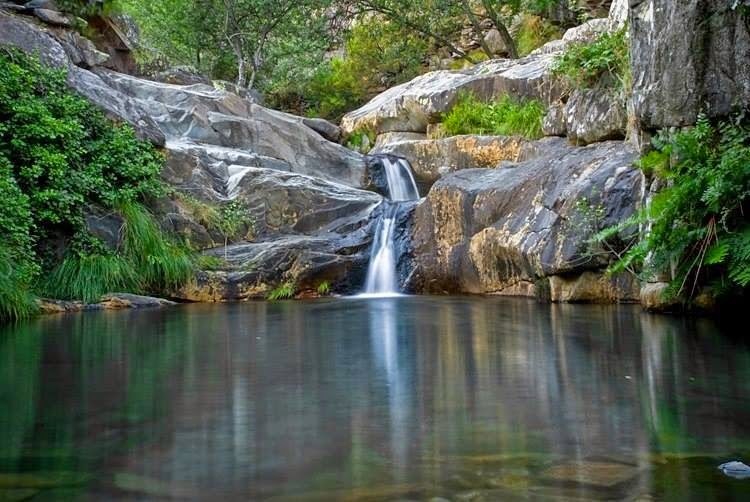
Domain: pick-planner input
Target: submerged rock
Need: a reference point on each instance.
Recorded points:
(595, 474)
(735, 469)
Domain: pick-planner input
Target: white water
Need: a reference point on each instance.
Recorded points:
(382, 277)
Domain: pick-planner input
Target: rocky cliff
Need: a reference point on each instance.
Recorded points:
(500, 215)
(311, 218)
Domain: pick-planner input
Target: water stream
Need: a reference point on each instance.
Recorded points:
(382, 277)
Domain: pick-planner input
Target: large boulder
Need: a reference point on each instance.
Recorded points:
(593, 115)
(20, 32)
(207, 115)
(508, 231)
(688, 57)
(432, 159)
(410, 107)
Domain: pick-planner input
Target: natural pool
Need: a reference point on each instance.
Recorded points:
(409, 398)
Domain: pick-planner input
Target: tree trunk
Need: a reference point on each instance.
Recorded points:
(477, 28)
(492, 14)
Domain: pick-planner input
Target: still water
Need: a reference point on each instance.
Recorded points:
(388, 399)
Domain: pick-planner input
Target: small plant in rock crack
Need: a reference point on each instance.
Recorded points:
(324, 288)
(234, 219)
(589, 221)
(283, 291)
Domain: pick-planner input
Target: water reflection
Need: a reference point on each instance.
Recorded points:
(394, 398)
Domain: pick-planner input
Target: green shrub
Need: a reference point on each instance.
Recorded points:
(504, 117)
(602, 62)
(379, 55)
(284, 291)
(698, 223)
(59, 155)
(16, 300)
(533, 32)
(361, 140)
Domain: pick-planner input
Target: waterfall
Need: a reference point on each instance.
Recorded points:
(382, 277)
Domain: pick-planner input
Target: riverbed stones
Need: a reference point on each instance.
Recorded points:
(596, 474)
(501, 231)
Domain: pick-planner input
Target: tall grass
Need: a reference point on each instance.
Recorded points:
(88, 277)
(16, 299)
(159, 263)
(147, 263)
(505, 117)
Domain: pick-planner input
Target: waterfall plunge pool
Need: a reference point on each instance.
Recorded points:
(406, 398)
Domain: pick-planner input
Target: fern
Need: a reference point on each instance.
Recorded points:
(284, 291)
(697, 225)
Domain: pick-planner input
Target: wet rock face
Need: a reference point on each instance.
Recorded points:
(688, 56)
(502, 231)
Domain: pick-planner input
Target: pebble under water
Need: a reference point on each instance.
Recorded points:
(410, 398)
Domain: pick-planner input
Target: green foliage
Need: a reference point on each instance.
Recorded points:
(604, 61)
(379, 55)
(210, 262)
(504, 117)
(234, 221)
(87, 277)
(533, 32)
(59, 155)
(361, 140)
(16, 301)
(284, 291)
(147, 262)
(698, 228)
(87, 8)
(324, 288)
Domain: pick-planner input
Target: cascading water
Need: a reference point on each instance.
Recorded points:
(382, 278)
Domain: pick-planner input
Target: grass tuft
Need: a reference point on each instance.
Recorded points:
(160, 264)
(324, 288)
(284, 291)
(89, 277)
(505, 117)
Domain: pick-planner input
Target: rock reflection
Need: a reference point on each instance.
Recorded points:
(377, 400)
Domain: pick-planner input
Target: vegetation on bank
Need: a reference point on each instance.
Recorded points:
(285, 291)
(60, 158)
(697, 225)
(505, 117)
(603, 62)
